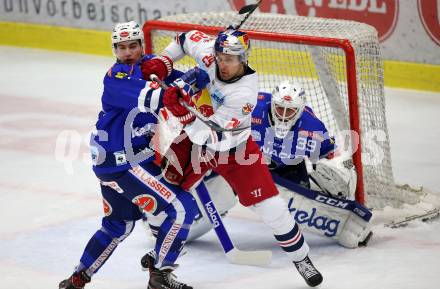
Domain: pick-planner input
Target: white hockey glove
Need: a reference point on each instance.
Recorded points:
(336, 177)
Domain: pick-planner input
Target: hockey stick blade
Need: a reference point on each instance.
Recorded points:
(200, 116)
(253, 258)
(233, 255)
(424, 217)
(249, 9)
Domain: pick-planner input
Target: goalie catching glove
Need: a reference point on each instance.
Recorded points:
(336, 177)
(173, 99)
(160, 66)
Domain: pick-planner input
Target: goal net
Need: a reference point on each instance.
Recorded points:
(339, 64)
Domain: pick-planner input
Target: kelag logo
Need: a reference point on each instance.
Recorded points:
(429, 11)
(382, 14)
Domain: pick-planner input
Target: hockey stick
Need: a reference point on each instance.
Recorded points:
(249, 9)
(234, 255)
(200, 116)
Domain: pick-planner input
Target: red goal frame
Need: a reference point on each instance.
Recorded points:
(343, 44)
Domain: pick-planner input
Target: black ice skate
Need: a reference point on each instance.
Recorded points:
(76, 281)
(147, 261)
(165, 279)
(309, 272)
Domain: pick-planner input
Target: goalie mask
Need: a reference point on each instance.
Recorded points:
(233, 42)
(288, 102)
(125, 32)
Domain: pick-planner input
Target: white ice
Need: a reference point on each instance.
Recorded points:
(49, 208)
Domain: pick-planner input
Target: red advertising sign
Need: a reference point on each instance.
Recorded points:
(429, 11)
(382, 14)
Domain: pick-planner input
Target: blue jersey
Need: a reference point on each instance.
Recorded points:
(308, 137)
(128, 118)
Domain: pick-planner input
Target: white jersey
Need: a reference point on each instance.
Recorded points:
(232, 102)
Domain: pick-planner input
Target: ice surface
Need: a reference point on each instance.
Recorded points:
(50, 208)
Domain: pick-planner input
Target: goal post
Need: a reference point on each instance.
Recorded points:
(339, 64)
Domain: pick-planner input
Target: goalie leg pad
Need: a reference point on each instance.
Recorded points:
(345, 221)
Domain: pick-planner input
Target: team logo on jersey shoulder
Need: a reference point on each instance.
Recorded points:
(146, 202)
(247, 108)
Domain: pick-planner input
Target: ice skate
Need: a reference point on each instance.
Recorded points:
(310, 274)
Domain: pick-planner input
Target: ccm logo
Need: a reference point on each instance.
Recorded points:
(331, 201)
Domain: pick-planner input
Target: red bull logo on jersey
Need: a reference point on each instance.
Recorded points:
(146, 202)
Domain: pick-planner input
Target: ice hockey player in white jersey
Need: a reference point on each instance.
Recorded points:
(233, 88)
(289, 133)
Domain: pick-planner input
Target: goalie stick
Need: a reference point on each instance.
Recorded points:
(425, 217)
(200, 116)
(233, 254)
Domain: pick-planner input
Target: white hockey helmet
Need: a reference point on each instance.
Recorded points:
(125, 32)
(233, 42)
(287, 106)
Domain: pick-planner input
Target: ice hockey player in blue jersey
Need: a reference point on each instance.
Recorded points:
(288, 131)
(122, 157)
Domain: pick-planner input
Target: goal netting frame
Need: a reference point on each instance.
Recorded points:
(340, 65)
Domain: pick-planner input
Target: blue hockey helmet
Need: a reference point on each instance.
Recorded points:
(233, 42)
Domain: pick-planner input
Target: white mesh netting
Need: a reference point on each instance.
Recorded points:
(322, 70)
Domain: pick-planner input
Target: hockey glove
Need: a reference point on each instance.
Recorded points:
(179, 92)
(160, 65)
